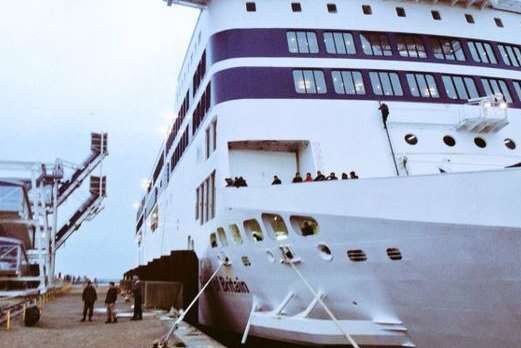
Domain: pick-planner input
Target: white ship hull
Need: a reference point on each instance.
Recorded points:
(456, 285)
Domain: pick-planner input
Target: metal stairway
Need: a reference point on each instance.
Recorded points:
(89, 208)
(99, 151)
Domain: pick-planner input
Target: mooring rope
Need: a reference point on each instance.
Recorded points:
(165, 338)
(326, 308)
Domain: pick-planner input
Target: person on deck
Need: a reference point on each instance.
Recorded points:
(89, 296)
(297, 179)
(110, 301)
(138, 301)
(229, 182)
(320, 176)
(309, 178)
(345, 176)
(276, 181)
(353, 175)
(332, 176)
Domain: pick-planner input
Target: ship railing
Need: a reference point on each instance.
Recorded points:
(487, 114)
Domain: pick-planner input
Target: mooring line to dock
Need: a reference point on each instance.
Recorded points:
(326, 308)
(183, 314)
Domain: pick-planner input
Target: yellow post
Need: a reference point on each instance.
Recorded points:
(8, 322)
(23, 313)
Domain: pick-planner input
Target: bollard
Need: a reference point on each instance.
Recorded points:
(8, 321)
(24, 307)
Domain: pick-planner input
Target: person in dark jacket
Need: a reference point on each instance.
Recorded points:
(320, 176)
(138, 301)
(276, 181)
(110, 301)
(89, 296)
(297, 179)
(332, 176)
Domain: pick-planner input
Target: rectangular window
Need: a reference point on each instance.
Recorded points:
(469, 18)
(376, 44)
(498, 22)
(331, 8)
(422, 85)
(411, 46)
(482, 52)
(511, 55)
(339, 43)
(309, 81)
(436, 15)
(348, 82)
(205, 200)
(493, 86)
(517, 87)
(447, 49)
(296, 7)
(250, 7)
(385, 83)
(459, 87)
(302, 42)
(210, 139)
(366, 9)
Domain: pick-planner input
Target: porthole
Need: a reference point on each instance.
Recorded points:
(411, 139)
(325, 252)
(480, 142)
(510, 144)
(449, 141)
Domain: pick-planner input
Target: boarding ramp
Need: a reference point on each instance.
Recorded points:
(90, 208)
(99, 151)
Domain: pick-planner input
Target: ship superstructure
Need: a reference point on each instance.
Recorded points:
(421, 100)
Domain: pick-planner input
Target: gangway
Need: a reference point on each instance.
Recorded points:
(99, 151)
(87, 210)
(30, 195)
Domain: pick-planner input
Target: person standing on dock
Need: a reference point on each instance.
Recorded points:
(110, 301)
(89, 296)
(138, 301)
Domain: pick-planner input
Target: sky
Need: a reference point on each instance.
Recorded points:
(70, 67)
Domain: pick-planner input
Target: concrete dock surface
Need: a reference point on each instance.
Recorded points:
(60, 327)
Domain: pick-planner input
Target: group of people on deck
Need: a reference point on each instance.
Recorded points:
(241, 182)
(89, 297)
(319, 177)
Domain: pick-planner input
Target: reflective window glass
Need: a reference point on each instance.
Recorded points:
(411, 46)
(482, 52)
(348, 82)
(422, 85)
(493, 86)
(375, 44)
(385, 83)
(236, 234)
(309, 81)
(253, 230)
(276, 225)
(302, 42)
(517, 87)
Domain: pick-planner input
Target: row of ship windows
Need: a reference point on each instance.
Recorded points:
(274, 224)
(449, 140)
(368, 10)
(407, 45)
(384, 83)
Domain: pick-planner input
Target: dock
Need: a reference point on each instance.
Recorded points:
(60, 327)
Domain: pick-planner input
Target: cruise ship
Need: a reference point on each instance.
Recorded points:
(417, 102)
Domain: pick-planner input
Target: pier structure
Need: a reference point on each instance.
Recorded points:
(30, 197)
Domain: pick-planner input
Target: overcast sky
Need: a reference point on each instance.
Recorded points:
(69, 67)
